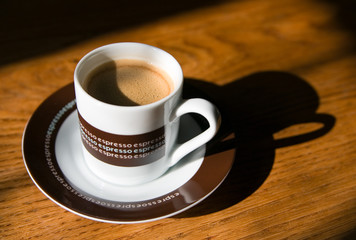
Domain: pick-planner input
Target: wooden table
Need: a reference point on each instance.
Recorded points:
(282, 72)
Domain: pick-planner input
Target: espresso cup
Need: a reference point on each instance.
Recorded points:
(134, 144)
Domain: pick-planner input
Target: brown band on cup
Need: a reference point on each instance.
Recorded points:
(123, 150)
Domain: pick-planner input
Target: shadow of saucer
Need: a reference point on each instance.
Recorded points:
(253, 108)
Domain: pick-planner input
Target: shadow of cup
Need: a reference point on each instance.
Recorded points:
(255, 108)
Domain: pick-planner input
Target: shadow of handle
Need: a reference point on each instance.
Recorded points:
(328, 122)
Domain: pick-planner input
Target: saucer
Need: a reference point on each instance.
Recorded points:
(53, 158)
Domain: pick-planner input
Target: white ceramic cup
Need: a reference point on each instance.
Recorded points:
(130, 145)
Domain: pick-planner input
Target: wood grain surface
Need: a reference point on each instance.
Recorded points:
(282, 72)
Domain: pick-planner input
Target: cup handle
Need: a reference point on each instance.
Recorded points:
(209, 112)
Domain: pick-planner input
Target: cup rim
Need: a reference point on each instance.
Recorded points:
(150, 105)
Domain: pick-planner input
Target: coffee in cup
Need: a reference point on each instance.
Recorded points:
(128, 82)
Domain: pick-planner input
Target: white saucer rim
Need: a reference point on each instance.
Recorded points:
(84, 181)
(118, 221)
